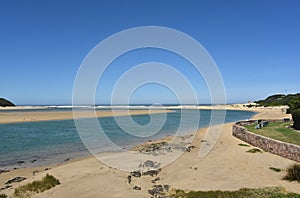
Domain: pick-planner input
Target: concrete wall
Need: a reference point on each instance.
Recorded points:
(277, 147)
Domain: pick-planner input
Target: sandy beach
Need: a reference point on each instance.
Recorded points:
(226, 167)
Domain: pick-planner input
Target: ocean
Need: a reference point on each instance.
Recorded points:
(49, 142)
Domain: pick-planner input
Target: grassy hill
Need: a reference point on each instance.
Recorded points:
(6, 103)
(278, 100)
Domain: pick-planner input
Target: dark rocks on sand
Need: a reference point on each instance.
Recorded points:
(155, 180)
(20, 162)
(167, 187)
(16, 179)
(136, 174)
(3, 171)
(149, 163)
(5, 187)
(129, 179)
(152, 172)
(156, 190)
(35, 172)
(159, 190)
(188, 149)
(137, 188)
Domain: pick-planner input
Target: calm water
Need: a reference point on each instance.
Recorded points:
(48, 142)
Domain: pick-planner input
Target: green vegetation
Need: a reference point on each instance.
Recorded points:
(278, 131)
(244, 145)
(3, 196)
(278, 100)
(292, 100)
(254, 150)
(36, 186)
(294, 105)
(275, 169)
(293, 173)
(296, 118)
(268, 192)
(6, 103)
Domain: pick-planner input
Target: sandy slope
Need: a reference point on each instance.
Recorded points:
(227, 167)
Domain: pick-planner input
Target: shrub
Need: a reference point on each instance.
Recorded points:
(296, 118)
(293, 173)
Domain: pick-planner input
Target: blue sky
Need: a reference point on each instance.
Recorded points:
(255, 44)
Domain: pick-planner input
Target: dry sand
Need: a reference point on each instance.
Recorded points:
(227, 167)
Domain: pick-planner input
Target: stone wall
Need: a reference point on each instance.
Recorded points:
(289, 151)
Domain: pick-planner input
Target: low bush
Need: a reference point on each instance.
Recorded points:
(293, 173)
(296, 118)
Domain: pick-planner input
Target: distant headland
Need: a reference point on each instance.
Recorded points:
(6, 103)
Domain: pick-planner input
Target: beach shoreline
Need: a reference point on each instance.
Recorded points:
(235, 169)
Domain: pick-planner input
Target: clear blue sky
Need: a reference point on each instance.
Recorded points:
(255, 44)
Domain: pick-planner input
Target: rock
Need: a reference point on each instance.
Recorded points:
(16, 179)
(129, 179)
(137, 188)
(3, 171)
(156, 190)
(136, 174)
(159, 190)
(149, 163)
(5, 187)
(20, 162)
(152, 172)
(33, 161)
(35, 172)
(167, 187)
(155, 180)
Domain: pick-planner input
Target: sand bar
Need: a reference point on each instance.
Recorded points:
(33, 116)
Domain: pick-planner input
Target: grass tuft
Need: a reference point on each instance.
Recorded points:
(275, 169)
(293, 173)
(268, 192)
(36, 186)
(247, 145)
(254, 150)
(3, 196)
